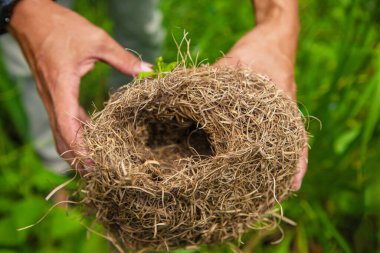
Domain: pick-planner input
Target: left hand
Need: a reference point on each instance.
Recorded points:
(60, 47)
(272, 54)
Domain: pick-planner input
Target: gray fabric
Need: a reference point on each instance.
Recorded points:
(137, 26)
(39, 128)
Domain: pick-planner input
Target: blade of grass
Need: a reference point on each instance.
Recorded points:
(330, 229)
(373, 113)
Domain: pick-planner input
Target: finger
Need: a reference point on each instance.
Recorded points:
(69, 117)
(301, 170)
(122, 60)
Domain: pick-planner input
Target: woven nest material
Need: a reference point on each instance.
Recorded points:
(197, 156)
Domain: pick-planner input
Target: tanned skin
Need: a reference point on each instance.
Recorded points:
(60, 47)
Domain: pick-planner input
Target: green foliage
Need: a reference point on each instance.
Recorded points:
(338, 77)
(160, 69)
(11, 108)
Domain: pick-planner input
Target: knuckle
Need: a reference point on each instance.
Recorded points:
(100, 34)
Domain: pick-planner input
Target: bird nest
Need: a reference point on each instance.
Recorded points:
(197, 156)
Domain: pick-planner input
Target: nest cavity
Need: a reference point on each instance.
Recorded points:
(197, 156)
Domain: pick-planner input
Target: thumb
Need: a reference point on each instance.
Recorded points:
(122, 60)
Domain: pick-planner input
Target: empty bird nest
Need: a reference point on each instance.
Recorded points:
(197, 156)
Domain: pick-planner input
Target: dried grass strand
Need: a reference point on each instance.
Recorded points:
(200, 155)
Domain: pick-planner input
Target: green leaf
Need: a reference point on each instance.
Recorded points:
(183, 251)
(142, 75)
(5, 205)
(64, 224)
(345, 139)
(301, 239)
(373, 113)
(372, 194)
(28, 211)
(160, 69)
(330, 229)
(8, 234)
(7, 251)
(163, 67)
(11, 104)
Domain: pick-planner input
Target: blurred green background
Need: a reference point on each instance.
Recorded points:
(338, 76)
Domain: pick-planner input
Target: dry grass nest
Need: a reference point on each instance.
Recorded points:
(197, 156)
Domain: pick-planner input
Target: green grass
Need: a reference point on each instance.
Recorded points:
(338, 77)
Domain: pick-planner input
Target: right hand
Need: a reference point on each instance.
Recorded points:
(272, 52)
(60, 47)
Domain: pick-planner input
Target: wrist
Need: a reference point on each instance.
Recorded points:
(281, 16)
(278, 23)
(27, 13)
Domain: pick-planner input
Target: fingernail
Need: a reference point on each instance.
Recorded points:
(146, 67)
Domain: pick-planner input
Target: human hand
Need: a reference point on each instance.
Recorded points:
(265, 52)
(271, 53)
(61, 47)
